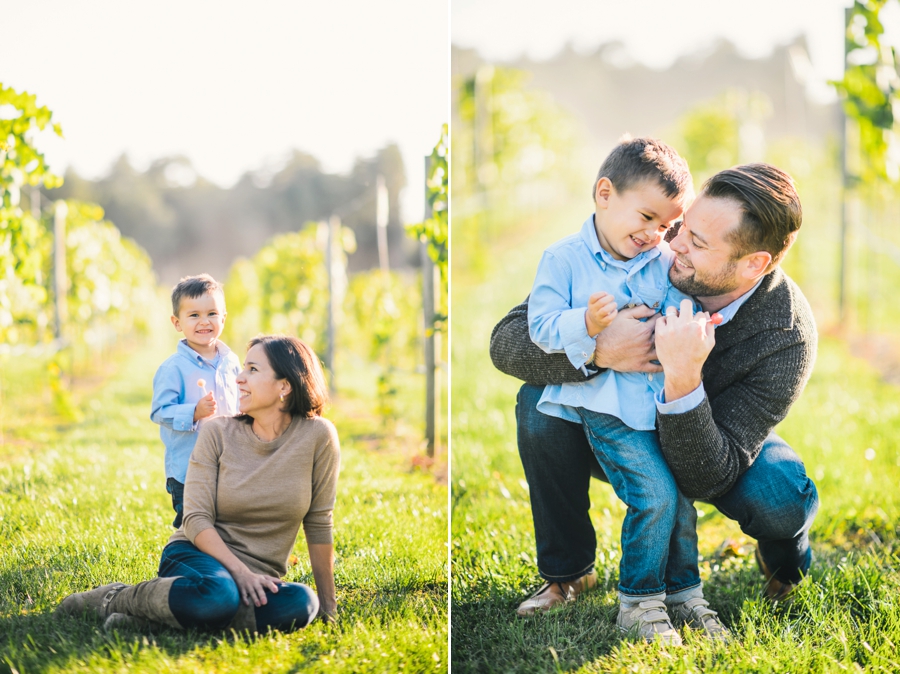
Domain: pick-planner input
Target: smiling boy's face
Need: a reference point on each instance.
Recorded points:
(201, 319)
(634, 220)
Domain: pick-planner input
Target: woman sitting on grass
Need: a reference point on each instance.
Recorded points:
(252, 480)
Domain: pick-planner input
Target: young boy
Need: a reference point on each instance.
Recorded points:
(619, 259)
(198, 382)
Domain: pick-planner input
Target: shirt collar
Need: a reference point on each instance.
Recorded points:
(193, 356)
(589, 236)
(727, 312)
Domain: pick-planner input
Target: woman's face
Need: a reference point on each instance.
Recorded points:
(258, 388)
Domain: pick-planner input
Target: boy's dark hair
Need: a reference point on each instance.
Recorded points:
(770, 208)
(294, 360)
(637, 160)
(193, 287)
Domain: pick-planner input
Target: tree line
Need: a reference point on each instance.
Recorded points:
(190, 225)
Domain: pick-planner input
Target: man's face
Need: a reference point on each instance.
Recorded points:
(634, 220)
(703, 265)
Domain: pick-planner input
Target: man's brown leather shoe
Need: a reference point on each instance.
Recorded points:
(552, 595)
(776, 590)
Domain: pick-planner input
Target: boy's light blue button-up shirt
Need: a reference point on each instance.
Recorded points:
(570, 271)
(176, 394)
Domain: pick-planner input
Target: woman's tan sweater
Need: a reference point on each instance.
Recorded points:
(256, 494)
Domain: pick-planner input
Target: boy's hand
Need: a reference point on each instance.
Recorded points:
(206, 407)
(600, 312)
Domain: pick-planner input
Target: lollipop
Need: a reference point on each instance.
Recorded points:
(715, 319)
(202, 384)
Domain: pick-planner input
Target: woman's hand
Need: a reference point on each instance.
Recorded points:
(327, 616)
(253, 586)
(327, 609)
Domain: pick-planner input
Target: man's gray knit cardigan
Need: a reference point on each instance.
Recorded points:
(762, 359)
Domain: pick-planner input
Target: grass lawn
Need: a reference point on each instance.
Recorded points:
(85, 503)
(845, 427)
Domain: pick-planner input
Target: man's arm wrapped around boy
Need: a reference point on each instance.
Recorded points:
(513, 353)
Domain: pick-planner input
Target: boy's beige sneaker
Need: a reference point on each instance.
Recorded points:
(553, 595)
(696, 614)
(649, 621)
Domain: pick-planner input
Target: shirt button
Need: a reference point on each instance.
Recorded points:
(650, 377)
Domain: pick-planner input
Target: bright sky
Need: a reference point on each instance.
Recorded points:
(233, 85)
(656, 32)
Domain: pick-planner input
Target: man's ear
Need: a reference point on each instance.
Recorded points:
(602, 192)
(756, 264)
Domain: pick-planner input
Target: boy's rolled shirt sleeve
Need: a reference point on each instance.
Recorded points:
(578, 344)
(178, 417)
(553, 324)
(318, 524)
(166, 410)
(515, 354)
(202, 482)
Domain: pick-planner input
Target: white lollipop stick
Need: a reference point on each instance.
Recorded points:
(202, 384)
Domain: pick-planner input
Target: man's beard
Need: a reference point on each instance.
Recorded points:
(720, 283)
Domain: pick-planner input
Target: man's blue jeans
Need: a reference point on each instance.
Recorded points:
(659, 532)
(206, 596)
(773, 501)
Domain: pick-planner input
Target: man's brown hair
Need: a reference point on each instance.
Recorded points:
(770, 208)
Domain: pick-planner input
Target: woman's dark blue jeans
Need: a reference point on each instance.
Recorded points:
(773, 501)
(205, 595)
